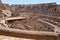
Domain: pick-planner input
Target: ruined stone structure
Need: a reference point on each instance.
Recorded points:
(30, 21)
(45, 9)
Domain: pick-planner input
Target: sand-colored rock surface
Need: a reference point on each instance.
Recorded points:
(12, 38)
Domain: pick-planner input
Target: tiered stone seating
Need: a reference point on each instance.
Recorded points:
(54, 21)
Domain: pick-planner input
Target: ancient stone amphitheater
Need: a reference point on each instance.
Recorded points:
(30, 21)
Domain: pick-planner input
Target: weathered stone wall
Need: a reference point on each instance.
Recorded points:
(15, 38)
